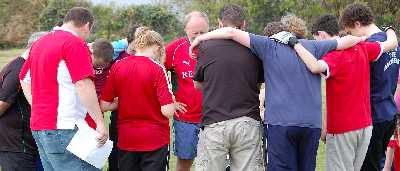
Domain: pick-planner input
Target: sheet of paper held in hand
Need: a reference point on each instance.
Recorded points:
(84, 145)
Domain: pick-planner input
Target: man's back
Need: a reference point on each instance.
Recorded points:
(293, 94)
(141, 87)
(230, 74)
(15, 134)
(56, 62)
(384, 74)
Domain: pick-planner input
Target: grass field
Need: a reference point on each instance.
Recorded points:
(8, 55)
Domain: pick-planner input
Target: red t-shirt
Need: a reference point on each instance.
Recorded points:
(56, 61)
(348, 87)
(394, 143)
(179, 61)
(142, 88)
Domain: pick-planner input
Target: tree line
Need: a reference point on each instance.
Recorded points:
(20, 18)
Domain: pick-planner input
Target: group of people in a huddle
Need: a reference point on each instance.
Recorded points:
(209, 84)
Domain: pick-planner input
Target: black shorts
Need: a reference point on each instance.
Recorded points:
(156, 160)
(11, 161)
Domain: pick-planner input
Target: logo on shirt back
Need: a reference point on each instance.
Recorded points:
(393, 59)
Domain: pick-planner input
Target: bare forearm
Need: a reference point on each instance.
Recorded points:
(311, 62)
(348, 42)
(391, 41)
(389, 158)
(237, 35)
(87, 94)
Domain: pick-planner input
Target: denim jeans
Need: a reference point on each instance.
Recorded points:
(53, 153)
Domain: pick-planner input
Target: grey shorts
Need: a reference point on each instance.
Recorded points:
(240, 138)
(347, 151)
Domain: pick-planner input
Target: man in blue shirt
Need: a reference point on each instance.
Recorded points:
(358, 19)
(293, 96)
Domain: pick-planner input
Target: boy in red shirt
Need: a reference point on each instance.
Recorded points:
(145, 104)
(347, 92)
(102, 52)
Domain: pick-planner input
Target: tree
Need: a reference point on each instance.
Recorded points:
(56, 10)
(17, 21)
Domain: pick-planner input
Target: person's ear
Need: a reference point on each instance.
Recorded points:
(323, 34)
(357, 24)
(243, 25)
(220, 24)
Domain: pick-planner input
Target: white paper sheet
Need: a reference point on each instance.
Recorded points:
(84, 146)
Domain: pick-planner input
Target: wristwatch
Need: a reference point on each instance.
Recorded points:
(386, 28)
(293, 41)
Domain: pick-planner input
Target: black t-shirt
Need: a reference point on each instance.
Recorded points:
(230, 76)
(15, 133)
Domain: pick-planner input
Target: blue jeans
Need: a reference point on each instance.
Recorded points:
(291, 148)
(53, 153)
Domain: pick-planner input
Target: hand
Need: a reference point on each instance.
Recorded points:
(282, 37)
(194, 45)
(181, 107)
(386, 28)
(323, 135)
(386, 169)
(102, 135)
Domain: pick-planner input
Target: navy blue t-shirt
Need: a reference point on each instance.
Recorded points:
(293, 93)
(384, 74)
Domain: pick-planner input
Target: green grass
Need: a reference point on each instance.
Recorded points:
(8, 55)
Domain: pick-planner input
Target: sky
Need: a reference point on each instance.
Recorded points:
(122, 2)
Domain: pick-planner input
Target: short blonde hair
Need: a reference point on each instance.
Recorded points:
(295, 25)
(145, 38)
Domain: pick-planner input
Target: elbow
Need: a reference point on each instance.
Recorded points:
(315, 70)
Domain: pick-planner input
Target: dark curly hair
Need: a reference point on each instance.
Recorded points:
(328, 23)
(357, 12)
(274, 27)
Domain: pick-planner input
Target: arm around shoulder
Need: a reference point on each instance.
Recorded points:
(391, 41)
(315, 66)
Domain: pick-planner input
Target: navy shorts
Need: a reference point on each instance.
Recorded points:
(186, 139)
(292, 148)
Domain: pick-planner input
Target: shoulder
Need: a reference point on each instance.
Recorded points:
(377, 37)
(152, 65)
(174, 45)
(15, 64)
(219, 42)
